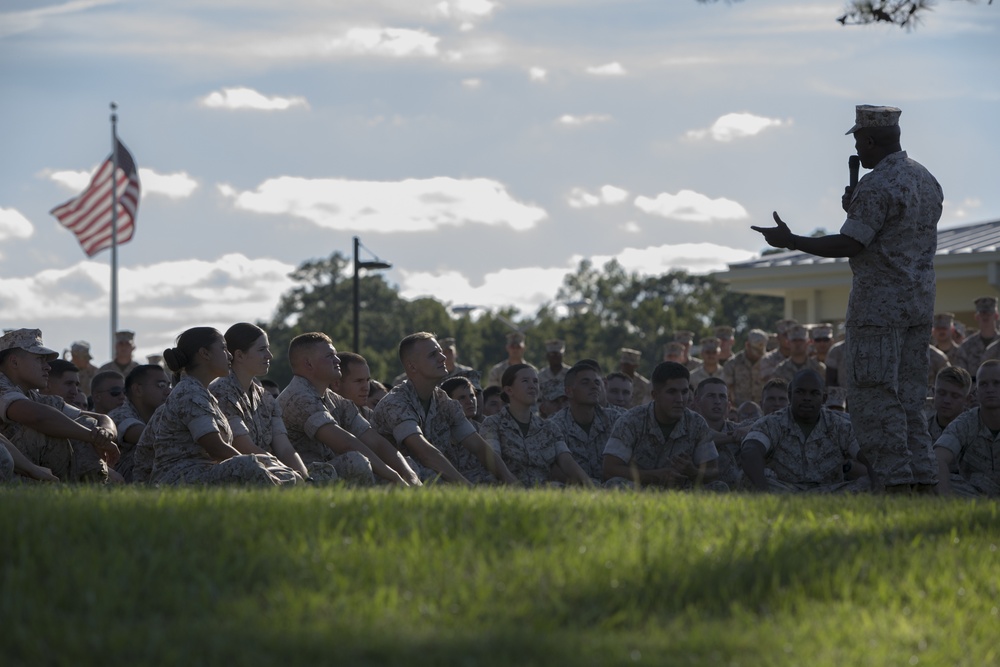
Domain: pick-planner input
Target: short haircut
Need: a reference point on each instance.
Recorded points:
(617, 375)
(271, 384)
(59, 367)
(138, 374)
(302, 342)
(775, 383)
(669, 370)
(955, 375)
(989, 363)
(590, 363)
(491, 391)
(709, 381)
(453, 383)
(105, 375)
(576, 370)
(407, 343)
(349, 359)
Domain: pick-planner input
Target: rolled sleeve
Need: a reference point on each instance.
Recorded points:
(238, 426)
(757, 436)
(858, 231)
(462, 430)
(316, 421)
(359, 425)
(405, 429)
(618, 448)
(705, 452)
(950, 442)
(201, 426)
(7, 399)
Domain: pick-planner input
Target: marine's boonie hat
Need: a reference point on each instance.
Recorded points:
(710, 343)
(757, 338)
(686, 337)
(552, 390)
(674, 348)
(867, 115)
(29, 340)
(782, 326)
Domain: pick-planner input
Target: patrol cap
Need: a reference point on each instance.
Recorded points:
(986, 304)
(710, 343)
(124, 336)
(80, 348)
(552, 390)
(447, 343)
(555, 345)
(782, 326)
(155, 359)
(821, 331)
(515, 338)
(29, 340)
(673, 348)
(724, 333)
(944, 319)
(629, 356)
(757, 338)
(798, 332)
(867, 115)
(836, 398)
(686, 337)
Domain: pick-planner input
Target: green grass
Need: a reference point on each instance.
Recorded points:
(491, 577)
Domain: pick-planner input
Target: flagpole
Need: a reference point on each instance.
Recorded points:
(114, 226)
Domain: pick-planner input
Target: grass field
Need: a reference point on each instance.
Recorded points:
(489, 577)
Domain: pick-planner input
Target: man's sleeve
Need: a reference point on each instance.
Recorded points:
(866, 214)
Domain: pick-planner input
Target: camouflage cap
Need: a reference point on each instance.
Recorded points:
(552, 390)
(798, 332)
(724, 332)
(154, 359)
(673, 348)
(867, 115)
(986, 304)
(447, 343)
(757, 338)
(684, 336)
(945, 320)
(782, 326)
(555, 345)
(473, 376)
(629, 356)
(29, 340)
(124, 336)
(821, 331)
(710, 343)
(836, 397)
(80, 348)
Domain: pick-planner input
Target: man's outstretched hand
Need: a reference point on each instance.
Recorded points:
(779, 236)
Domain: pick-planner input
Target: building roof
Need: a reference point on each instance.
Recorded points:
(978, 238)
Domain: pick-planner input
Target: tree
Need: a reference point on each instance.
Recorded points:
(903, 13)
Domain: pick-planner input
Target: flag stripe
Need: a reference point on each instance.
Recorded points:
(88, 215)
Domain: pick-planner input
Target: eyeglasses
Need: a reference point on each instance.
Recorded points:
(114, 391)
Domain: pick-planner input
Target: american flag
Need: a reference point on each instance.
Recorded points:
(89, 214)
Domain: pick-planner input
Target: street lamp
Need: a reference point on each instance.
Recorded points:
(375, 264)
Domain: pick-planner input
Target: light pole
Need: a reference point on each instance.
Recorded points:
(358, 265)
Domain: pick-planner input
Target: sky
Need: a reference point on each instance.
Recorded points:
(482, 147)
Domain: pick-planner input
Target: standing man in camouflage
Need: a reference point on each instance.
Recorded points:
(943, 337)
(628, 363)
(80, 356)
(515, 355)
(726, 337)
(742, 372)
(798, 356)
(890, 236)
(973, 351)
(556, 368)
(123, 361)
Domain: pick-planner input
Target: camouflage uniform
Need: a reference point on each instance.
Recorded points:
(529, 457)
(770, 362)
(743, 378)
(893, 213)
(6, 465)
(800, 463)
(304, 411)
(125, 416)
(400, 414)
(587, 445)
(87, 374)
(189, 413)
(113, 366)
(638, 439)
(641, 390)
(701, 373)
(787, 369)
(546, 374)
(143, 452)
(977, 453)
(254, 413)
(834, 360)
(936, 360)
(69, 460)
(974, 351)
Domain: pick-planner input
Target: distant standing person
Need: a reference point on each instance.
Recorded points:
(123, 361)
(890, 236)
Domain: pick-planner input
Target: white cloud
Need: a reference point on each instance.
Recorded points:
(158, 301)
(608, 194)
(609, 69)
(528, 288)
(736, 126)
(391, 42)
(248, 98)
(178, 185)
(412, 205)
(537, 73)
(13, 225)
(960, 211)
(472, 84)
(631, 227)
(465, 10)
(691, 206)
(12, 23)
(577, 121)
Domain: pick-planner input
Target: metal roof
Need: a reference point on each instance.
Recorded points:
(978, 238)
